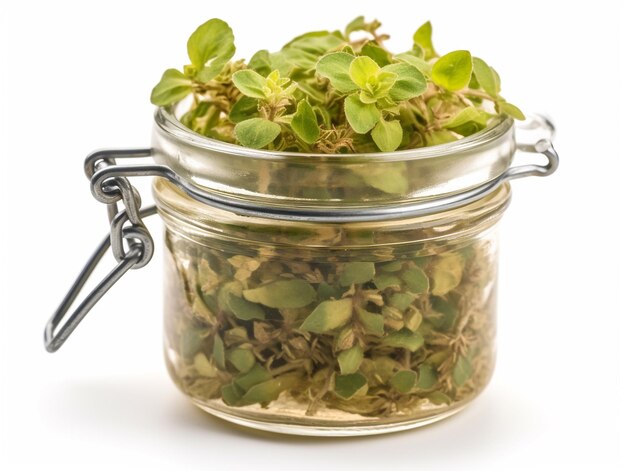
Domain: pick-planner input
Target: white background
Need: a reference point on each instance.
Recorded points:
(77, 76)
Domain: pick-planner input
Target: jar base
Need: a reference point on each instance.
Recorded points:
(324, 430)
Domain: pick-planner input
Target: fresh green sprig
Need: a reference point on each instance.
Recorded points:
(331, 92)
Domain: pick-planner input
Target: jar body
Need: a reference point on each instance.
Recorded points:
(330, 329)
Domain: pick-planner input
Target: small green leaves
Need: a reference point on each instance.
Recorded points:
(335, 67)
(348, 386)
(245, 310)
(427, 376)
(260, 62)
(453, 71)
(387, 135)
(486, 77)
(446, 273)
(328, 315)
(210, 47)
(372, 323)
(350, 360)
(243, 109)
(510, 109)
(403, 381)
(361, 116)
(321, 89)
(256, 133)
(250, 83)
(173, 87)
(410, 82)
(282, 294)
(356, 272)
(256, 375)
(386, 280)
(218, 352)
(404, 338)
(423, 39)
(462, 371)
(304, 123)
(415, 279)
(241, 358)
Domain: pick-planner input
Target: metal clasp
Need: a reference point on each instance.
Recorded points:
(126, 227)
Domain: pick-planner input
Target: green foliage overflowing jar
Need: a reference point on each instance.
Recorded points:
(330, 221)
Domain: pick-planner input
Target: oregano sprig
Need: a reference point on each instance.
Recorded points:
(333, 92)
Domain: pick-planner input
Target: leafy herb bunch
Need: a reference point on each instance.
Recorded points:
(333, 92)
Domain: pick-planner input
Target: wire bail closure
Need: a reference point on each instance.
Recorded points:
(133, 246)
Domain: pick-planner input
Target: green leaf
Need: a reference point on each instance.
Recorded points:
(410, 82)
(389, 177)
(401, 300)
(210, 47)
(347, 386)
(242, 359)
(243, 109)
(356, 272)
(420, 64)
(404, 338)
(362, 117)
(427, 376)
(355, 25)
(256, 375)
(462, 371)
(386, 280)
(416, 280)
(256, 132)
(438, 398)
(486, 77)
(376, 53)
(173, 87)
(326, 291)
(423, 38)
(245, 310)
(446, 273)
(304, 123)
(511, 110)
(231, 394)
(453, 71)
(218, 352)
(363, 70)
(334, 67)
(467, 121)
(250, 83)
(387, 135)
(403, 381)
(260, 62)
(268, 391)
(262, 392)
(350, 360)
(373, 323)
(282, 294)
(391, 267)
(445, 314)
(464, 116)
(328, 315)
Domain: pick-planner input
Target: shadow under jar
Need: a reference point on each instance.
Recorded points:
(352, 294)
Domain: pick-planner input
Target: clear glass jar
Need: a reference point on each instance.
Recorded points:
(316, 294)
(327, 326)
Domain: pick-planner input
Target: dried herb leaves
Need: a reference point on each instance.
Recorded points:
(366, 337)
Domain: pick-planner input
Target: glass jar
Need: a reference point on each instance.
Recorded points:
(325, 294)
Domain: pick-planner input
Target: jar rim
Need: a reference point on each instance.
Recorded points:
(167, 122)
